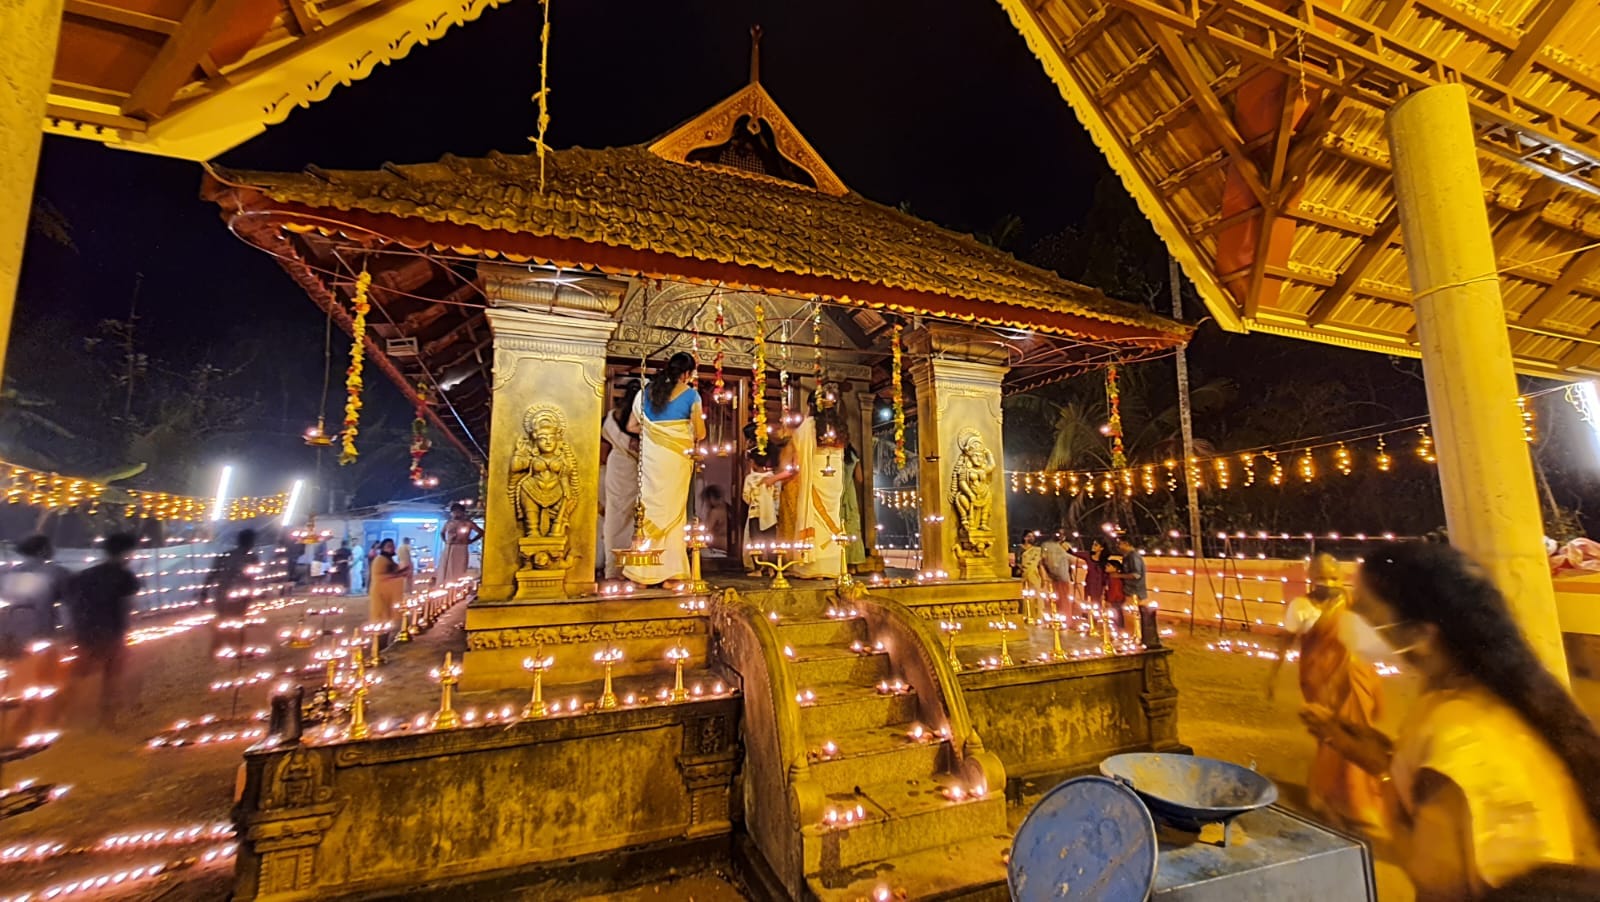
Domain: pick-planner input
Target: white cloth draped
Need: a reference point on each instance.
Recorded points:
(621, 485)
(820, 479)
(665, 471)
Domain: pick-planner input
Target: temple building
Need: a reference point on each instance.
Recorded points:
(830, 723)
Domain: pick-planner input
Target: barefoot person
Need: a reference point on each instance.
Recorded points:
(667, 416)
(1494, 780)
(459, 534)
(1331, 676)
(388, 590)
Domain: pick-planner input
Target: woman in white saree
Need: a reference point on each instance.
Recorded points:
(621, 481)
(669, 421)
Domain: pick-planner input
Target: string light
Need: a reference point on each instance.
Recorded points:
(1425, 445)
(1249, 465)
(1342, 459)
(1277, 468)
(53, 491)
(1527, 418)
(1223, 476)
(1383, 460)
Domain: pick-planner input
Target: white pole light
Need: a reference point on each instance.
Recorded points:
(219, 509)
(294, 499)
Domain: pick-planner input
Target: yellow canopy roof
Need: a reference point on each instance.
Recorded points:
(1250, 132)
(193, 78)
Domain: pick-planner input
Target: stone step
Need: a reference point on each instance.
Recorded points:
(878, 755)
(972, 871)
(899, 818)
(813, 665)
(844, 708)
(828, 631)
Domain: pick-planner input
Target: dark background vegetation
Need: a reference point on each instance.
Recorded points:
(147, 334)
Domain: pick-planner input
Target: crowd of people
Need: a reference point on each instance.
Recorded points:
(806, 486)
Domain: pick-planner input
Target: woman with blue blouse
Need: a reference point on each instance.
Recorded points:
(668, 418)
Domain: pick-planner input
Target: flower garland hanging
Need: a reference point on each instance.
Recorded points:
(352, 375)
(758, 380)
(419, 438)
(1119, 456)
(719, 386)
(898, 394)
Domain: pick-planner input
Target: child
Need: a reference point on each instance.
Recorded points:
(761, 519)
(1116, 596)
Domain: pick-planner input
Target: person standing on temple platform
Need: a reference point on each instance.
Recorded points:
(1057, 563)
(1031, 564)
(387, 587)
(33, 594)
(372, 555)
(1095, 566)
(713, 515)
(339, 569)
(406, 563)
(621, 480)
(761, 502)
(229, 588)
(668, 415)
(101, 603)
(1137, 590)
(459, 534)
(855, 550)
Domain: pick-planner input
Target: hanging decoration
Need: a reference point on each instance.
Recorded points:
(419, 441)
(1249, 465)
(1308, 466)
(352, 375)
(1277, 468)
(719, 387)
(758, 380)
(1383, 460)
(1425, 445)
(1342, 460)
(543, 97)
(897, 394)
(1119, 456)
(1526, 410)
(816, 337)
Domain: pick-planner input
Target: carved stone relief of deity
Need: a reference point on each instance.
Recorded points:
(972, 495)
(544, 486)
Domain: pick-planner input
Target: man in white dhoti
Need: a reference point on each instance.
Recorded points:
(668, 416)
(621, 480)
(814, 459)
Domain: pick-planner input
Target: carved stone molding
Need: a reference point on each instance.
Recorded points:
(511, 285)
(581, 633)
(968, 610)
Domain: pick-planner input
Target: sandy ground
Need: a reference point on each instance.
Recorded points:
(121, 785)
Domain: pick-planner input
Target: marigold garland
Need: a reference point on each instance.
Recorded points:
(419, 438)
(898, 394)
(1119, 455)
(719, 386)
(758, 380)
(352, 375)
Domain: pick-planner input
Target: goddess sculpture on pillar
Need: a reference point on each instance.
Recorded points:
(544, 485)
(972, 495)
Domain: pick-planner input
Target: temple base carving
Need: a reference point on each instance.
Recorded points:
(544, 569)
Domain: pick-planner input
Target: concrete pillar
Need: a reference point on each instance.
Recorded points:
(957, 373)
(549, 353)
(1490, 502)
(31, 28)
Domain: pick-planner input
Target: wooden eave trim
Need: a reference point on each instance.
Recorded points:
(652, 264)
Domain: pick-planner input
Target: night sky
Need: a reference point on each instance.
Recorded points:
(934, 103)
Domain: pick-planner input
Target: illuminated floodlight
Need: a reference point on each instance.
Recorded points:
(294, 499)
(219, 509)
(433, 520)
(1585, 396)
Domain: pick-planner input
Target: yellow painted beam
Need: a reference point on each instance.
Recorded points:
(31, 30)
(1485, 470)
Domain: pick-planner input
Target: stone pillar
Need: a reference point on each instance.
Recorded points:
(1490, 503)
(957, 373)
(31, 28)
(537, 592)
(866, 401)
(549, 383)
